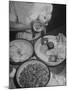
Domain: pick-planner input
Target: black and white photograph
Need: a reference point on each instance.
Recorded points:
(37, 44)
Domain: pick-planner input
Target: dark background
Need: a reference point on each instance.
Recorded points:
(57, 23)
(58, 17)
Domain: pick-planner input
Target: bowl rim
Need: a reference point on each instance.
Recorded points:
(42, 59)
(30, 60)
(18, 63)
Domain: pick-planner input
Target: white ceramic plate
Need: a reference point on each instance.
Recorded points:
(43, 53)
(20, 50)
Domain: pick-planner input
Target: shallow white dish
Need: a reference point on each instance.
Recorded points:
(20, 50)
(43, 53)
